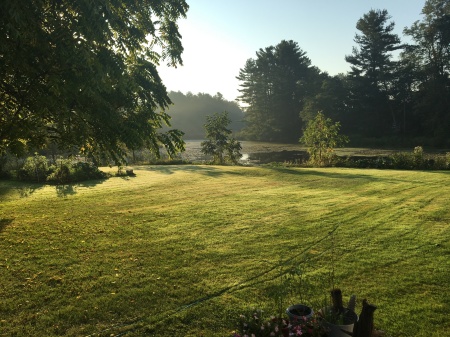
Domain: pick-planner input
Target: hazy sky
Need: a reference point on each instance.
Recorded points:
(220, 35)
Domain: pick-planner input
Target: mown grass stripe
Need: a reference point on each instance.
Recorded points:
(114, 256)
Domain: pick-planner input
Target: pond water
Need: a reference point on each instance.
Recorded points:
(252, 152)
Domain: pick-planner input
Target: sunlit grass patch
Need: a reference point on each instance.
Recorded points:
(182, 250)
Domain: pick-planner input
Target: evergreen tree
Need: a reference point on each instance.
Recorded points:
(273, 89)
(331, 98)
(372, 73)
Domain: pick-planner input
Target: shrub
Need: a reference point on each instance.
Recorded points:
(34, 169)
(61, 172)
(403, 161)
(64, 171)
(417, 160)
(86, 171)
(321, 136)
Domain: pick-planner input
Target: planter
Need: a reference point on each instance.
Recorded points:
(343, 328)
(299, 312)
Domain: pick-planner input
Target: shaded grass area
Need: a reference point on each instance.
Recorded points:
(183, 250)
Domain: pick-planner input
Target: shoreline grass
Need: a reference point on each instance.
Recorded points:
(183, 250)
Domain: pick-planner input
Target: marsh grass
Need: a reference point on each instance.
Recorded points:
(183, 250)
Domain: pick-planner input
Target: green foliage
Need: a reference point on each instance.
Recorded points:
(69, 171)
(61, 171)
(372, 74)
(273, 87)
(416, 160)
(35, 168)
(219, 143)
(382, 100)
(321, 136)
(428, 60)
(330, 98)
(84, 74)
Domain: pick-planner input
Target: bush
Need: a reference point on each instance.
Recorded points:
(61, 172)
(64, 171)
(417, 160)
(86, 171)
(34, 169)
(321, 136)
(403, 161)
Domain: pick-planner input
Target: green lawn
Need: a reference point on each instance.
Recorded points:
(183, 250)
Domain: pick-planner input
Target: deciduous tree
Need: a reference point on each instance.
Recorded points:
(84, 74)
(430, 54)
(219, 142)
(321, 136)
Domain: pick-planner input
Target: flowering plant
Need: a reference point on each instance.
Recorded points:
(307, 327)
(254, 325)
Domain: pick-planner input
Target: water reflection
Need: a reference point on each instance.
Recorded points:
(253, 153)
(277, 156)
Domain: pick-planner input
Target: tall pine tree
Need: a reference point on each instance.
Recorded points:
(273, 89)
(372, 73)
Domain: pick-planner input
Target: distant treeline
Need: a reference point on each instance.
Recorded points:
(380, 102)
(188, 112)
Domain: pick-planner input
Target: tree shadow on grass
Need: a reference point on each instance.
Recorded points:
(4, 223)
(171, 169)
(325, 174)
(25, 190)
(63, 191)
(213, 171)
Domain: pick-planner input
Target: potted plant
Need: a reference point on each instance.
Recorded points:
(337, 320)
(298, 312)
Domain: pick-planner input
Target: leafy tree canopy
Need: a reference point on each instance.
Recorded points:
(219, 142)
(321, 136)
(83, 74)
(428, 62)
